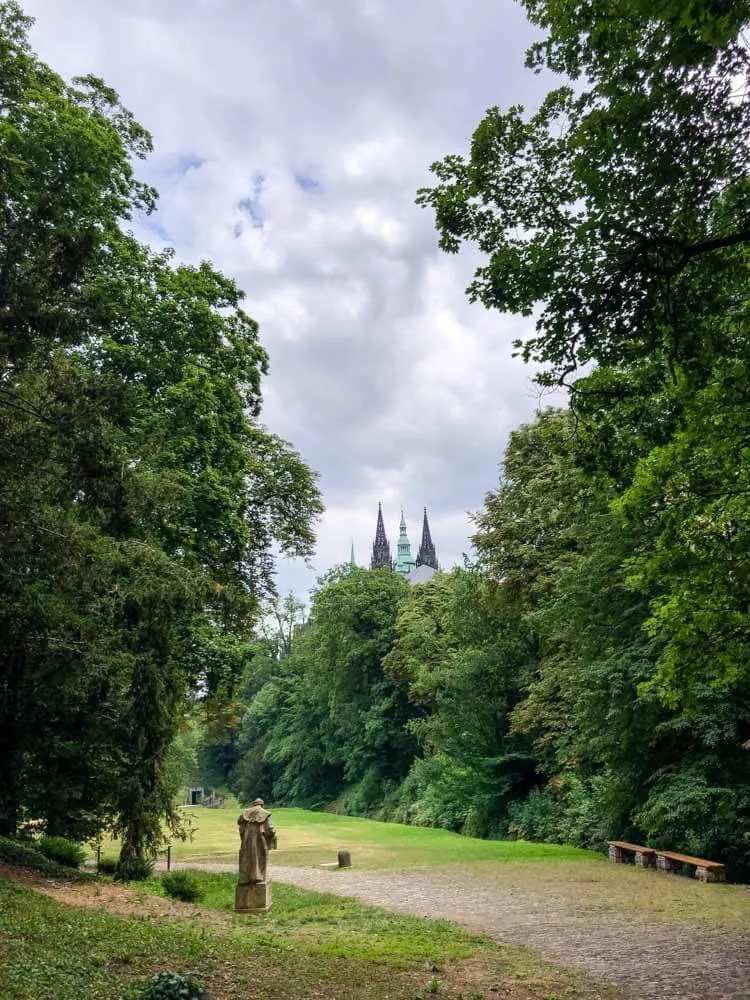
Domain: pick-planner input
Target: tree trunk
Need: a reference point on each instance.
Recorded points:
(10, 734)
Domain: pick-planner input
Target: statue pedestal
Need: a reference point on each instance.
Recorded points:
(252, 897)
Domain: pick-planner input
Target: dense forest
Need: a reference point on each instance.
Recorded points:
(586, 674)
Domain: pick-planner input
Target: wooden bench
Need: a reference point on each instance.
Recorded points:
(705, 871)
(645, 857)
(668, 861)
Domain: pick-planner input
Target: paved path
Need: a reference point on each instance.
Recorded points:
(651, 960)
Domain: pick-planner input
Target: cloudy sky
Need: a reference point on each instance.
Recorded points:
(290, 139)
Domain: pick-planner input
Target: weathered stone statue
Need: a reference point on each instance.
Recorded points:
(257, 838)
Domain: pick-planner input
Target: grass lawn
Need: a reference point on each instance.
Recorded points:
(585, 878)
(310, 838)
(310, 946)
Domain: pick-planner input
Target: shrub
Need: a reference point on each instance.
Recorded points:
(134, 870)
(106, 866)
(182, 885)
(62, 850)
(23, 856)
(173, 986)
(538, 817)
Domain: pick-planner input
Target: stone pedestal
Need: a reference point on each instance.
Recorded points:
(252, 897)
(616, 854)
(709, 874)
(645, 859)
(668, 864)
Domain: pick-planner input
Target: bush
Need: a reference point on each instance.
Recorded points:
(538, 817)
(23, 856)
(134, 870)
(62, 850)
(107, 866)
(173, 986)
(182, 885)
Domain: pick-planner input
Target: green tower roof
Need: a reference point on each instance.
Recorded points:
(405, 563)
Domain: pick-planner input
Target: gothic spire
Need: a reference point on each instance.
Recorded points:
(381, 550)
(427, 555)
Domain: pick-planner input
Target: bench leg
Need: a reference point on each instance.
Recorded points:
(645, 859)
(709, 875)
(616, 854)
(667, 864)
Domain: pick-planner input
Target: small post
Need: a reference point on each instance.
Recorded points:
(98, 855)
(169, 857)
(345, 859)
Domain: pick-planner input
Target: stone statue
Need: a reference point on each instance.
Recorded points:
(257, 838)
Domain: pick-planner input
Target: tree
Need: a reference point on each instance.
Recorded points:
(331, 723)
(140, 497)
(465, 661)
(620, 210)
(615, 602)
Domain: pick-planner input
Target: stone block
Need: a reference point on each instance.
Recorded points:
(667, 864)
(616, 854)
(645, 859)
(709, 874)
(252, 897)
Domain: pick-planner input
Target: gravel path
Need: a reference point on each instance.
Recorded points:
(651, 960)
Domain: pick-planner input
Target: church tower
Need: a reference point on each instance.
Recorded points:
(427, 555)
(404, 561)
(381, 550)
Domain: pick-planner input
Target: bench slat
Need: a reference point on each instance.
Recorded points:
(625, 846)
(687, 859)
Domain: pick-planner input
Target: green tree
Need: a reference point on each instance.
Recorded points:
(465, 660)
(331, 723)
(620, 209)
(140, 497)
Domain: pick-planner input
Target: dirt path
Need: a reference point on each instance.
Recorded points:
(653, 960)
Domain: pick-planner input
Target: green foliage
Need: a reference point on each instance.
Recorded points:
(106, 866)
(133, 869)
(140, 495)
(173, 986)
(182, 885)
(619, 215)
(331, 722)
(64, 851)
(618, 211)
(464, 660)
(22, 855)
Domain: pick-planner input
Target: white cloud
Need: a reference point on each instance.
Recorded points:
(290, 141)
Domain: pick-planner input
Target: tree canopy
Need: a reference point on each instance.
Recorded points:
(140, 496)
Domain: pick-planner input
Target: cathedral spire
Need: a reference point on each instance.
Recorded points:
(352, 560)
(381, 550)
(427, 555)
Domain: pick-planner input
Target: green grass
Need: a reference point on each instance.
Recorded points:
(323, 924)
(585, 878)
(311, 838)
(310, 945)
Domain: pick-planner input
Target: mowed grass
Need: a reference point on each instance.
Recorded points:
(310, 945)
(314, 838)
(566, 875)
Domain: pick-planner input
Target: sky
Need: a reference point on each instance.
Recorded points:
(290, 139)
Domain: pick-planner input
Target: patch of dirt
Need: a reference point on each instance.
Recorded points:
(117, 899)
